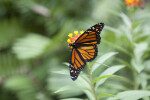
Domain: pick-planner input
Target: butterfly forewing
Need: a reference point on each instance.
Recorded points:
(91, 36)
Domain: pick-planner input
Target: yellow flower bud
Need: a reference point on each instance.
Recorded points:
(129, 1)
(82, 32)
(69, 41)
(76, 32)
(70, 35)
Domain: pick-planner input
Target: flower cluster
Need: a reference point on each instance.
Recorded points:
(132, 2)
(73, 38)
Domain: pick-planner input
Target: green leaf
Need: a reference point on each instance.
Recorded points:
(126, 20)
(67, 64)
(89, 94)
(22, 85)
(135, 25)
(105, 95)
(82, 82)
(124, 62)
(64, 88)
(118, 48)
(102, 77)
(10, 30)
(131, 95)
(65, 72)
(31, 46)
(102, 60)
(145, 34)
(139, 51)
(142, 80)
(112, 29)
(73, 99)
(108, 71)
(9, 64)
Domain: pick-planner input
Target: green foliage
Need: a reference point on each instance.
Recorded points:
(109, 73)
(32, 45)
(33, 50)
(9, 64)
(23, 86)
(131, 95)
(102, 60)
(10, 29)
(86, 84)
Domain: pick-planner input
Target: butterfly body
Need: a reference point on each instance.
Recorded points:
(84, 49)
(73, 45)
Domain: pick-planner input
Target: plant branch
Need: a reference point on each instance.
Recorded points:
(92, 83)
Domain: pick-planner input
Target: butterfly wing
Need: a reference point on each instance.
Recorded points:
(91, 36)
(88, 52)
(77, 63)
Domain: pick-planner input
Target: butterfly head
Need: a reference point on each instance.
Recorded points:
(72, 38)
(73, 45)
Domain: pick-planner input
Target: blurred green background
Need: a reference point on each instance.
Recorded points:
(34, 52)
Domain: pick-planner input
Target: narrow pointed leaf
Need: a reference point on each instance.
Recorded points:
(73, 99)
(133, 95)
(109, 71)
(65, 72)
(118, 48)
(64, 89)
(105, 95)
(102, 77)
(102, 60)
(66, 63)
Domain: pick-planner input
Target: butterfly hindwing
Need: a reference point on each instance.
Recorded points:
(91, 36)
(77, 63)
(89, 52)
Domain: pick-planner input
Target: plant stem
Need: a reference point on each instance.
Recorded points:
(91, 83)
(132, 23)
(135, 80)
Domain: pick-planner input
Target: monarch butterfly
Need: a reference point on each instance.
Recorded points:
(84, 49)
